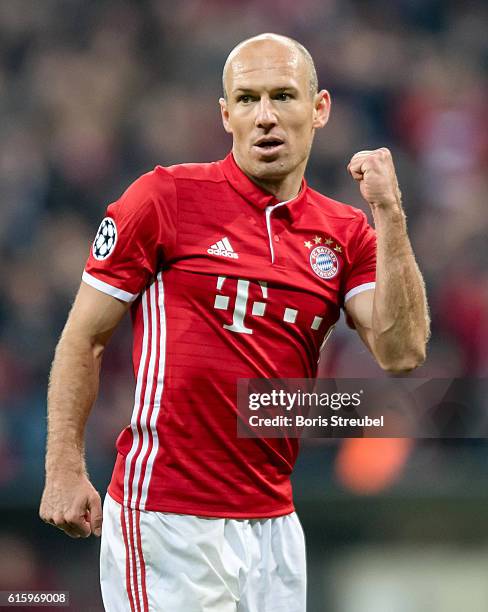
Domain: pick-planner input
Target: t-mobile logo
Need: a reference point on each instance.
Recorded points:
(240, 306)
(289, 315)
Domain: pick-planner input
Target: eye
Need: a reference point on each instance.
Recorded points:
(283, 96)
(245, 98)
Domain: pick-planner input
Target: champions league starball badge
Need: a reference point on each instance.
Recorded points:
(324, 262)
(105, 239)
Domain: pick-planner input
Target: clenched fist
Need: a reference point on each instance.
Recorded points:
(72, 504)
(375, 172)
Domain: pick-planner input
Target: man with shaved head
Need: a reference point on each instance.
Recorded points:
(231, 269)
(256, 41)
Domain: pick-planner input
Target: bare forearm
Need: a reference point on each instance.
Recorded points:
(400, 312)
(69, 500)
(397, 324)
(73, 388)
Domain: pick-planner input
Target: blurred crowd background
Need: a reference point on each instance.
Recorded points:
(95, 92)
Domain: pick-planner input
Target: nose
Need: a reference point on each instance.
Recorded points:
(265, 116)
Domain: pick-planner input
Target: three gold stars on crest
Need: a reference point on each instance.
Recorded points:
(319, 240)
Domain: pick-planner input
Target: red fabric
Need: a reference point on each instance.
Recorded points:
(128, 561)
(181, 452)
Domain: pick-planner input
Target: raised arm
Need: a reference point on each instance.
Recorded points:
(392, 319)
(69, 501)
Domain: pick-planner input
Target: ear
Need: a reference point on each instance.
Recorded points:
(225, 115)
(321, 111)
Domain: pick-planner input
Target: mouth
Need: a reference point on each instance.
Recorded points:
(269, 145)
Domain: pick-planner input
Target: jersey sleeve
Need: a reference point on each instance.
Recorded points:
(361, 273)
(136, 235)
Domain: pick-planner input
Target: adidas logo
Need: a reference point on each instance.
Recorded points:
(223, 248)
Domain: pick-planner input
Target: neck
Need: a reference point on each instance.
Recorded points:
(284, 188)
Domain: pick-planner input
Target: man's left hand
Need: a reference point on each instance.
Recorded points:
(375, 172)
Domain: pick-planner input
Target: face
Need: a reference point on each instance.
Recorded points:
(270, 110)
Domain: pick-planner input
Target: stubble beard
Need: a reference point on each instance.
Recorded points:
(271, 170)
(278, 169)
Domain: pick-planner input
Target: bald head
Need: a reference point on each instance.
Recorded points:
(297, 53)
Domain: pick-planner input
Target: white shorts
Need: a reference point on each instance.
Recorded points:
(162, 562)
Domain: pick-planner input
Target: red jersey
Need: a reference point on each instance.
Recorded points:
(226, 283)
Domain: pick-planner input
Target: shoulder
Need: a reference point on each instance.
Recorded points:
(331, 208)
(347, 224)
(160, 189)
(151, 192)
(207, 172)
(172, 183)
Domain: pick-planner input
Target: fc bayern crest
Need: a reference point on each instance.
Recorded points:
(105, 239)
(324, 262)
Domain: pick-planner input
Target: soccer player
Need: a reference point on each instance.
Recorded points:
(231, 269)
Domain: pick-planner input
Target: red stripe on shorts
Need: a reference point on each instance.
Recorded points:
(135, 577)
(128, 585)
(145, 601)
